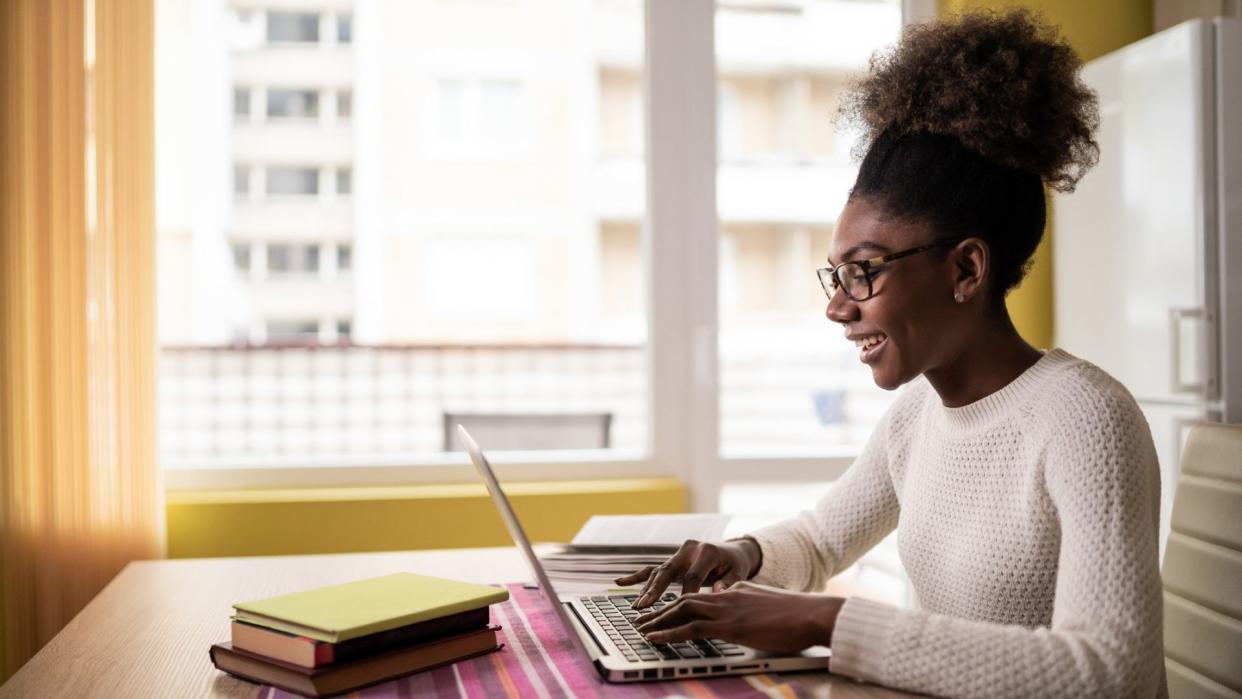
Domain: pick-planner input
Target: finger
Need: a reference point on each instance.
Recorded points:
(683, 611)
(635, 577)
(729, 580)
(689, 631)
(697, 575)
(655, 587)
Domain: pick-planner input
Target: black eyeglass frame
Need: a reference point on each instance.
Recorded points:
(829, 279)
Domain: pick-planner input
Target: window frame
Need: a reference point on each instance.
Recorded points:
(680, 243)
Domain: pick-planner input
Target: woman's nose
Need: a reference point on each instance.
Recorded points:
(841, 308)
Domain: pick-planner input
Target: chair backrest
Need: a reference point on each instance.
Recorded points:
(1203, 568)
(499, 432)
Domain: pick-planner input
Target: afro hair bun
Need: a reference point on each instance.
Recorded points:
(1004, 84)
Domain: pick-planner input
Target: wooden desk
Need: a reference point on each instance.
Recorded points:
(147, 633)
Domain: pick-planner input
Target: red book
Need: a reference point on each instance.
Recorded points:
(309, 652)
(354, 674)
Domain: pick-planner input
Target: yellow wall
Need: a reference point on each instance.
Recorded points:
(1093, 28)
(334, 520)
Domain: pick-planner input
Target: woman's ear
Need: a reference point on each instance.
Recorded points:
(971, 260)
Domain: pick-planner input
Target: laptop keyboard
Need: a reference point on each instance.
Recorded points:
(615, 615)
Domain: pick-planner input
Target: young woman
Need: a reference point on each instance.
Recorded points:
(1023, 484)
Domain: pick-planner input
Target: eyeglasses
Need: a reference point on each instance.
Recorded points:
(855, 276)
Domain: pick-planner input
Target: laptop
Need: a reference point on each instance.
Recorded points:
(601, 627)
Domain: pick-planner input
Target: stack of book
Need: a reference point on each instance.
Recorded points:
(336, 639)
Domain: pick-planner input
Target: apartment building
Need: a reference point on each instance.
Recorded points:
(427, 173)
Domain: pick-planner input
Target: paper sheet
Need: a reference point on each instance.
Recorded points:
(651, 530)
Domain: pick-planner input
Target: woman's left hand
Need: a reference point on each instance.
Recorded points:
(758, 616)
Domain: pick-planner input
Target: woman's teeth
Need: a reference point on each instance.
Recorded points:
(868, 341)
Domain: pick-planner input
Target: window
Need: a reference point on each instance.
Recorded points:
(292, 104)
(290, 181)
(344, 28)
(480, 118)
(344, 104)
(241, 258)
(241, 181)
(284, 331)
(292, 27)
(241, 102)
(344, 180)
(343, 328)
(787, 381)
(292, 259)
(499, 249)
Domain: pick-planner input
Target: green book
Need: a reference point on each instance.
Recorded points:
(341, 612)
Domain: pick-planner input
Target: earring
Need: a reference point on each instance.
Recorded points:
(959, 297)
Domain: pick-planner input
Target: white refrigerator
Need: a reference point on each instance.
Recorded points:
(1148, 249)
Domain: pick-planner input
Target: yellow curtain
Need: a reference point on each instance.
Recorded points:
(80, 489)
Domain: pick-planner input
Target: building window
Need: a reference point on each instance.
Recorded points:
(241, 180)
(241, 257)
(241, 102)
(292, 259)
(292, 27)
(344, 180)
(345, 104)
(292, 104)
(480, 117)
(343, 330)
(286, 181)
(344, 257)
(344, 28)
(300, 330)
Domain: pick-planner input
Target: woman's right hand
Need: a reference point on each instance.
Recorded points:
(695, 565)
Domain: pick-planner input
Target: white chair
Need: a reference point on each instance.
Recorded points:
(1203, 568)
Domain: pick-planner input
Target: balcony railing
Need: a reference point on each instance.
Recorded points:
(224, 405)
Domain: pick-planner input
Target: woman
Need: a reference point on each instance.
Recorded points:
(1023, 484)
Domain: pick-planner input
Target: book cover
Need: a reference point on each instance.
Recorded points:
(308, 652)
(340, 612)
(362, 672)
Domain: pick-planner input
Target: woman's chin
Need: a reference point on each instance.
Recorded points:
(886, 378)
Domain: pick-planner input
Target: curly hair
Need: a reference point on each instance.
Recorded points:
(965, 119)
(1004, 84)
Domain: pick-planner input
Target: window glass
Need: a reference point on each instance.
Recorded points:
(304, 330)
(292, 181)
(292, 258)
(241, 180)
(292, 104)
(241, 102)
(344, 257)
(344, 28)
(292, 27)
(344, 104)
(788, 381)
(241, 257)
(466, 249)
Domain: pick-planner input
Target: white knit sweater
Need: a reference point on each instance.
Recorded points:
(1027, 522)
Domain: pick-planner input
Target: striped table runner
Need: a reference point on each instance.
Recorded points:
(539, 661)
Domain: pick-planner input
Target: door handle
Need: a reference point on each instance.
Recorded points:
(1177, 384)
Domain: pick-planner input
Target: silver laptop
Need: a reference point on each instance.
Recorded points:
(601, 625)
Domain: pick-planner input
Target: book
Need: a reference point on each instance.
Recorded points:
(341, 612)
(308, 652)
(362, 672)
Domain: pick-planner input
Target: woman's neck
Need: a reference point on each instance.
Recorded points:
(987, 361)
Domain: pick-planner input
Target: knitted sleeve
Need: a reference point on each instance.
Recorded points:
(1102, 478)
(802, 553)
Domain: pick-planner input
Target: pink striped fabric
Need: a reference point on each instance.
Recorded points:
(539, 661)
